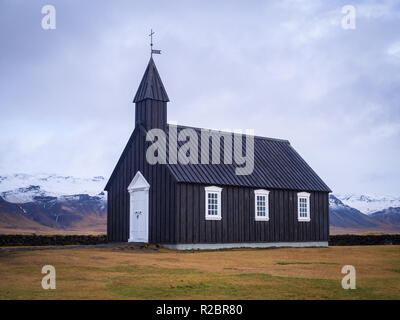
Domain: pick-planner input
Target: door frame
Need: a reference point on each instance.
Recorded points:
(139, 183)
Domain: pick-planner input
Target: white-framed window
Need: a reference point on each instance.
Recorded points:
(213, 203)
(261, 205)
(303, 206)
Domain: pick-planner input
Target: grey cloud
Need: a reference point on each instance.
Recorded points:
(285, 69)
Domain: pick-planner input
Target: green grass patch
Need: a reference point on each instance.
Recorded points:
(212, 285)
(141, 270)
(394, 270)
(183, 287)
(288, 263)
(295, 287)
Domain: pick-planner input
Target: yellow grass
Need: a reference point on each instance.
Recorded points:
(363, 231)
(126, 273)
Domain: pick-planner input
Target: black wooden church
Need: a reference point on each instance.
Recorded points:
(282, 202)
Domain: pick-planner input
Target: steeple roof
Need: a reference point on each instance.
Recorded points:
(151, 86)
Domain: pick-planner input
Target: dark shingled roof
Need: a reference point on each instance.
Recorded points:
(276, 165)
(151, 86)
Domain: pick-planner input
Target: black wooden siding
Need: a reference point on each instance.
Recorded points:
(161, 194)
(238, 220)
(151, 114)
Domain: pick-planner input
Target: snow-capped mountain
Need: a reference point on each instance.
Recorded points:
(344, 216)
(23, 188)
(52, 204)
(369, 204)
(389, 216)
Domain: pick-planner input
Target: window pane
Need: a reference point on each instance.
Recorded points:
(212, 200)
(303, 207)
(261, 205)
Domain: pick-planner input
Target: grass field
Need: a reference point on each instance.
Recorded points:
(127, 273)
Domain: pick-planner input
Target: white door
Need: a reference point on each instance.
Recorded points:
(139, 209)
(139, 216)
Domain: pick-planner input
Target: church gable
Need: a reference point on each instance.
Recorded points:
(128, 146)
(138, 183)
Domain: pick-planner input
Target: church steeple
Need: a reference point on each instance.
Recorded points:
(151, 86)
(151, 100)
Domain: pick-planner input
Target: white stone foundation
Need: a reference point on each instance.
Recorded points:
(216, 246)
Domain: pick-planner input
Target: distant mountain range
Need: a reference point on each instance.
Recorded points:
(22, 188)
(52, 204)
(63, 204)
(344, 216)
(369, 204)
(345, 219)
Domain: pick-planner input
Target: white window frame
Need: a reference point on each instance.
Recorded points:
(263, 193)
(218, 191)
(303, 195)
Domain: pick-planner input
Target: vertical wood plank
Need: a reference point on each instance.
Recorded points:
(189, 213)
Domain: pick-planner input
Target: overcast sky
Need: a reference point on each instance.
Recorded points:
(286, 69)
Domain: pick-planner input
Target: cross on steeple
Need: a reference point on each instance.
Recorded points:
(151, 38)
(151, 44)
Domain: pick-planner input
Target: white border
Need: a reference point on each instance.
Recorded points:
(216, 246)
(305, 195)
(139, 183)
(217, 190)
(261, 192)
